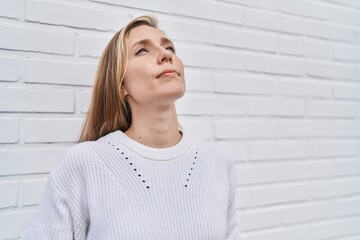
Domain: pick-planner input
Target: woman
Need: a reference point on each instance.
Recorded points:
(135, 174)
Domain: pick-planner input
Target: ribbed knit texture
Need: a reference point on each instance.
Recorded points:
(117, 188)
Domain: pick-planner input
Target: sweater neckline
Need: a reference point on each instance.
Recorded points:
(161, 154)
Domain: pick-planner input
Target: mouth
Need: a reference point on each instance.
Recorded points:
(168, 72)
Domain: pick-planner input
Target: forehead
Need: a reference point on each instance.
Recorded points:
(145, 32)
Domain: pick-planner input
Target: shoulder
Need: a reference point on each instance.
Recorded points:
(77, 155)
(71, 168)
(215, 150)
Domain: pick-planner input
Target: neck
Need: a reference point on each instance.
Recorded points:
(154, 127)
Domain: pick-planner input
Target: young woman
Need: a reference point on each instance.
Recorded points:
(136, 174)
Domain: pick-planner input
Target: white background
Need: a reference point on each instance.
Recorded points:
(277, 82)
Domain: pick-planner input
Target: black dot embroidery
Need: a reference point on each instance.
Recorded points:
(127, 159)
(195, 157)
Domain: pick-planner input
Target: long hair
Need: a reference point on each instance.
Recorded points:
(108, 109)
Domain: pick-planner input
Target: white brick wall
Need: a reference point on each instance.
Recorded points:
(277, 83)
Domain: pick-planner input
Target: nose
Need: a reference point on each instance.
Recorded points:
(164, 56)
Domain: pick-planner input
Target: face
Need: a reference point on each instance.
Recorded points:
(155, 74)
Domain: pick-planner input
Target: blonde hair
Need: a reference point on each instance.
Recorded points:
(108, 109)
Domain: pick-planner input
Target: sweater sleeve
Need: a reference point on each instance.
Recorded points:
(58, 215)
(232, 226)
(53, 219)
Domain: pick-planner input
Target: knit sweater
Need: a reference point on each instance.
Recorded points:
(117, 188)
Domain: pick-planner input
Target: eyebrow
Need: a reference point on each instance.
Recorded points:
(146, 41)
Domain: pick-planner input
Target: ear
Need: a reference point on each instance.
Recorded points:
(123, 91)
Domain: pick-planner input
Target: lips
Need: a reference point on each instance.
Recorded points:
(169, 71)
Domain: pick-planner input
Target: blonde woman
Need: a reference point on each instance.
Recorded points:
(135, 174)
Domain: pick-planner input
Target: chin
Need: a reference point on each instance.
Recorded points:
(171, 97)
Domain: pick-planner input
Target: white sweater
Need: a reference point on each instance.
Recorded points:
(117, 188)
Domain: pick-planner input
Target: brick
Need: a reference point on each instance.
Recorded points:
(68, 73)
(244, 84)
(215, 11)
(275, 64)
(332, 148)
(307, 9)
(10, 69)
(290, 171)
(331, 70)
(51, 130)
(32, 191)
(327, 108)
(303, 88)
(334, 188)
(346, 16)
(277, 150)
(199, 81)
(258, 219)
(248, 129)
(290, 128)
(285, 193)
(290, 232)
(308, 212)
(272, 21)
(242, 198)
(270, 5)
(345, 52)
(348, 207)
(344, 2)
(192, 31)
(201, 128)
(348, 91)
(91, 46)
(36, 100)
(346, 128)
(192, 104)
(29, 161)
(10, 129)
(36, 40)
(257, 173)
(8, 193)
(335, 228)
(14, 223)
(215, 58)
(76, 16)
(245, 39)
(306, 47)
(347, 167)
(10, 8)
(275, 106)
(328, 30)
(237, 150)
(357, 37)
(84, 99)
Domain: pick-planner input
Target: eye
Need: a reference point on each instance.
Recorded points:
(171, 48)
(141, 50)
